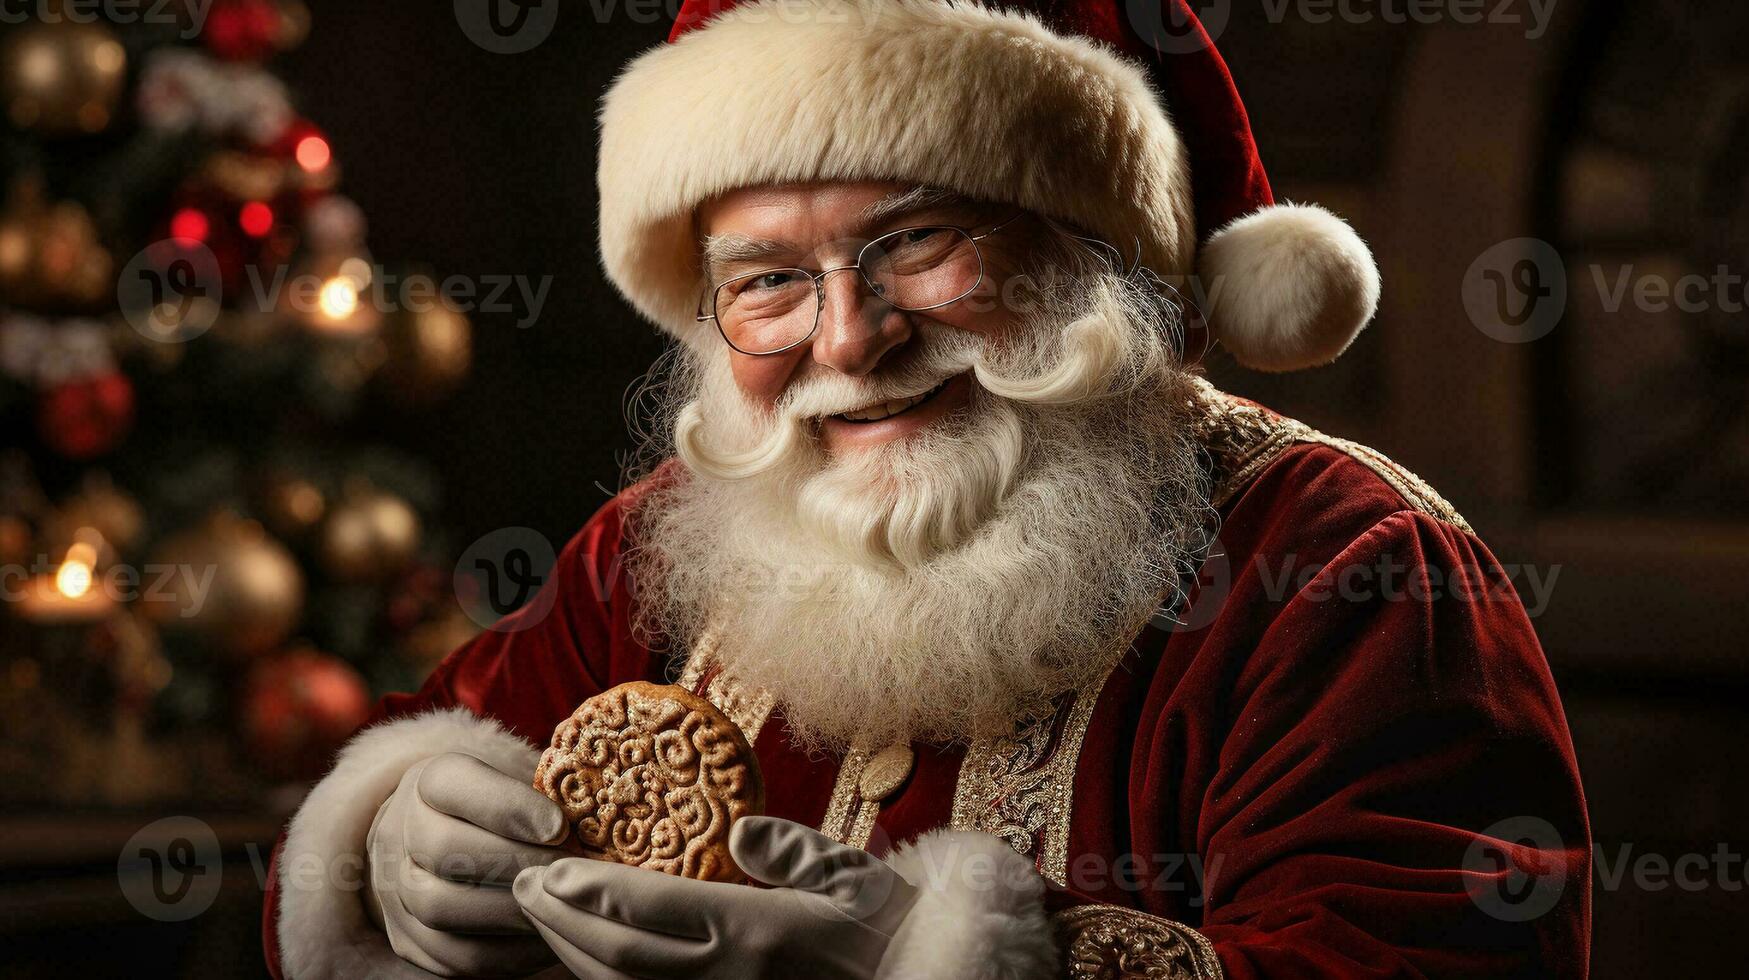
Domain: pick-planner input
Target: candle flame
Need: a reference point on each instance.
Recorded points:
(73, 578)
(339, 298)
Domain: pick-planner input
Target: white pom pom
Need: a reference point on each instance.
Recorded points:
(1287, 287)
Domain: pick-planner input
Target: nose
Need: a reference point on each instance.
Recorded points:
(857, 328)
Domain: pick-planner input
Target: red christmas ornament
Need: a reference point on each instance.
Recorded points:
(244, 30)
(256, 219)
(308, 158)
(86, 417)
(240, 234)
(297, 710)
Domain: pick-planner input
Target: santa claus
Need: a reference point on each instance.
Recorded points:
(1057, 660)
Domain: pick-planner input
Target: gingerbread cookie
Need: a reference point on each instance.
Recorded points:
(652, 775)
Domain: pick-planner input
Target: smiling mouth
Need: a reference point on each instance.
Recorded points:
(888, 409)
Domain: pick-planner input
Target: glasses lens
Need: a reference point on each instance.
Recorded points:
(767, 311)
(919, 268)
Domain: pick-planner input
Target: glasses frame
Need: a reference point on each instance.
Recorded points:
(818, 279)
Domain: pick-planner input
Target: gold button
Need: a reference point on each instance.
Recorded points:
(886, 772)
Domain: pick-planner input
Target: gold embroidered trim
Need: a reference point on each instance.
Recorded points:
(1243, 438)
(704, 677)
(701, 659)
(850, 819)
(1107, 942)
(1021, 787)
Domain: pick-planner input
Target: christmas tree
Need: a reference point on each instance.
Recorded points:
(208, 566)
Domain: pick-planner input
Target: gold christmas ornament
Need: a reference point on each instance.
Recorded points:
(431, 641)
(294, 24)
(61, 78)
(99, 504)
(50, 256)
(429, 353)
(246, 176)
(291, 506)
(16, 540)
(16, 251)
(230, 581)
(369, 535)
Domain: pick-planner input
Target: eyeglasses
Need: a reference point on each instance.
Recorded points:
(912, 269)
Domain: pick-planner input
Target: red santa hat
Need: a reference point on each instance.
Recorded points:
(1086, 111)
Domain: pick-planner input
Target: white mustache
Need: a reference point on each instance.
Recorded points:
(1092, 357)
(940, 358)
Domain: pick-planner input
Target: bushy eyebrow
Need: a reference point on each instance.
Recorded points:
(905, 202)
(733, 248)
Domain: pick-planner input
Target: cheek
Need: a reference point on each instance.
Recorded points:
(994, 307)
(762, 379)
(987, 312)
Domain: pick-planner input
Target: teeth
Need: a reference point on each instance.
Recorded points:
(874, 413)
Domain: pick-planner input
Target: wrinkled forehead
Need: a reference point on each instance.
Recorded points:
(756, 223)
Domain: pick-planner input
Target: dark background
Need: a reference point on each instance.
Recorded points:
(1614, 448)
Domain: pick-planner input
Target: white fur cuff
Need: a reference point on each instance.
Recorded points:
(981, 915)
(323, 928)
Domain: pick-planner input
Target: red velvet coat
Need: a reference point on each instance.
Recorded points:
(1347, 759)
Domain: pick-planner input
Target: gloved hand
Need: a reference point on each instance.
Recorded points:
(830, 913)
(444, 850)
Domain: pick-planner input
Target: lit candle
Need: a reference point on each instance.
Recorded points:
(69, 594)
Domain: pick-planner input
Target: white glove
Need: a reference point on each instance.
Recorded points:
(444, 850)
(830, 913)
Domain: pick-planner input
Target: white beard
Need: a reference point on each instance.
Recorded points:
(944, 586)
